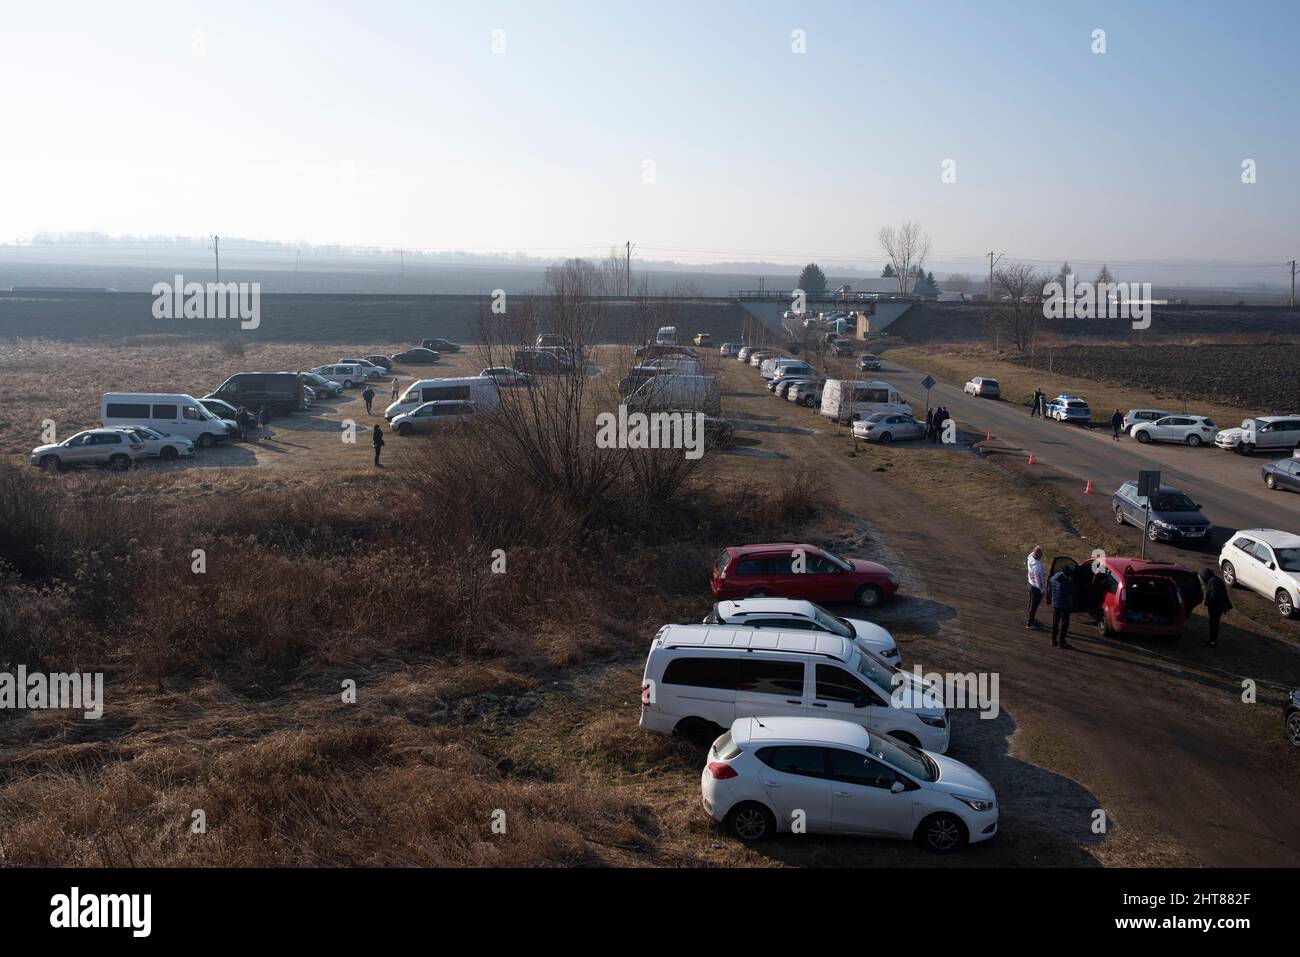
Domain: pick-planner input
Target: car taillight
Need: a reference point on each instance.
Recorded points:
(645, 695)
(721, 771)
(136, 446)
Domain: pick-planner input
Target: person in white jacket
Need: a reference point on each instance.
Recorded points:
(1037, 584)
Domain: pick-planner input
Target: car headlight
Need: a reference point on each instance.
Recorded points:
(932, 722)
(1159, 524)
(975, 804)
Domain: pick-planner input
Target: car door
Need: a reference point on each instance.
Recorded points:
(1246, 563)
(1266, 576)
(77, 450)
(1126, 502)
(794, 779)
(837, 692)
(863, 799)
(770, 686)
(1289, 474)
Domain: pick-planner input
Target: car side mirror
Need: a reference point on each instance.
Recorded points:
(897, 787)
(1271, 566)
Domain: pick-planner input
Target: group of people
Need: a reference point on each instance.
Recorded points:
(245, 420)
(1062, 586)
(934, 420)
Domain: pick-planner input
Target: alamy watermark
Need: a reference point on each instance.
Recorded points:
(651, 430)
(917, 689)
(215, 300)
(1104, 300)
(80, 692)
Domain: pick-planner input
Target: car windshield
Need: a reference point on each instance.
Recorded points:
(828, 622)
(1173, 502)
(877, 672)
(906, 758)
(1288, 559)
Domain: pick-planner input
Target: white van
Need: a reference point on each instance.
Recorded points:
(169, 413)
(847, 400)
(481, 390)
(700, 678)
(347, 374)
(666, 336)
(669, 392)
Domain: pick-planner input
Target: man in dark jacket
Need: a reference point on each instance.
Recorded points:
(243, 419)
(1116, 424)
(1216, 602)
(368, 396)
(929, 422)
(1036, 403)
(377, 439)
(1062, 586)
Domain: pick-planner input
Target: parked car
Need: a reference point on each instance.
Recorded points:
(983, 387)
(1068, 408)
(281, 392)
(807, 393)
(729, 349)
(160, 446)
(345, 373)
(886, 427)
(325, 388)
(384, 362)
(1291, 718)
(221, 409)
(433, 417)
(703, 339)
(1138, 416)
(171, 413)
(744, 353)
(1267, 432)
(842, 347)
(868, 363)
(502, 375)
(113, 448)
(480, 390)
(669, 391)
(416, 357)
(700, 678)
(538, 362)
(837, 777)
(1174, 517)
(446, 345)
(756, 571)
(760, 356)
(370, 370)
(1131, 595)
(1266, 561)
(1284, 474)
(794, 368)
(666, 336)
(1193, 430)
(781, 387)
(677, 365)
(794, 614)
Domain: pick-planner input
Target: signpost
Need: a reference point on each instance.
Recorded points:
(1148, 485)
(928, 383)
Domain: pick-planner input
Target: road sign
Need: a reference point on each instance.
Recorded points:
(928, 383)
(1148, 482)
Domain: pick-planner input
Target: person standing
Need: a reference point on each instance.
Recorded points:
(264, 420)
(1116, 424)
(367, 397)
(1033, 405)
(377, 440)
(929, 422)
(1036, 585)
(394, 388)
(243, 419)
(1216, 602)
(1062, 605)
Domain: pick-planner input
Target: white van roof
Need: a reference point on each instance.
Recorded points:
(755, 639)
(873, 384)
(450, 380)
(148, 395)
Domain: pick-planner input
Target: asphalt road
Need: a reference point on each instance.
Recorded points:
(1228, 486)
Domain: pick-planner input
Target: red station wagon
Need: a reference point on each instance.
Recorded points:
(745, 571)
(1132, 596)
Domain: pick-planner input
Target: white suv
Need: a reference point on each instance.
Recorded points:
(1191, 430)
(1267, 561)
(795, 614)
(700, 678)
(768, 773)
(1269, 432)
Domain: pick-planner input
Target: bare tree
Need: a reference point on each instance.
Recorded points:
(906, 249)
(1017, 316)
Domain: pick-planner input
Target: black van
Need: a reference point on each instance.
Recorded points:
(280, 392)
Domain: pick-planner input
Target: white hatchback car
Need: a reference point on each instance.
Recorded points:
(796, 614)
(766, 775)
(983, 386)
(1193, 430)
(1266, 561)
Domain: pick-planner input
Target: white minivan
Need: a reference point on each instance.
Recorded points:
(847, 400)
(682, 393)
(168, 413)
(700, 678)
(481, 390)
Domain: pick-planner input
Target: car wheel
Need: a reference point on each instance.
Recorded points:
(1293, 728)
(759, 593)
(886, 438)
(1143, 437)
(1268, 480)
(1229, 574)
(1152, 535)
(1194, 441)
(119, 463)
(1103, 625)
(1119, 516)
(347, 383)
(869, 596)
(1247, 448)
(942, 833)
(51, 463)
(405, 429)
(751, 822)
(206, 440)
(167, 453)
(1285, 606)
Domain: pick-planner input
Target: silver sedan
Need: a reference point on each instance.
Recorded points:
(888, 426)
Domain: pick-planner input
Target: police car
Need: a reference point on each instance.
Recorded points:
(1068, 408)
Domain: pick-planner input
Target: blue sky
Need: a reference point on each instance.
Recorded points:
(395, 124)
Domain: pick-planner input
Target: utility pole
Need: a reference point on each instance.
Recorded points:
(628, 281)
(216, 251)
(401, 268)
(1293, 284)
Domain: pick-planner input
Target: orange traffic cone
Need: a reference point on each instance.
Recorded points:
(988, 436)
(1087, 489)
(1031, 458)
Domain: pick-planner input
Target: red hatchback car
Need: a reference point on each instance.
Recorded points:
(791, 570)
(1132, 596)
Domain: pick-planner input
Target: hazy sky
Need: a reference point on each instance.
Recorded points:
(395, 124)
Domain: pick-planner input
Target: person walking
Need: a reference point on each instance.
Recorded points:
(377, 440)
(1062, 604)
(1037, 583)
(1116, 424)
(264, 420)
(1216, 602)
(367, 397)
(394, 388)
(243, 419)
